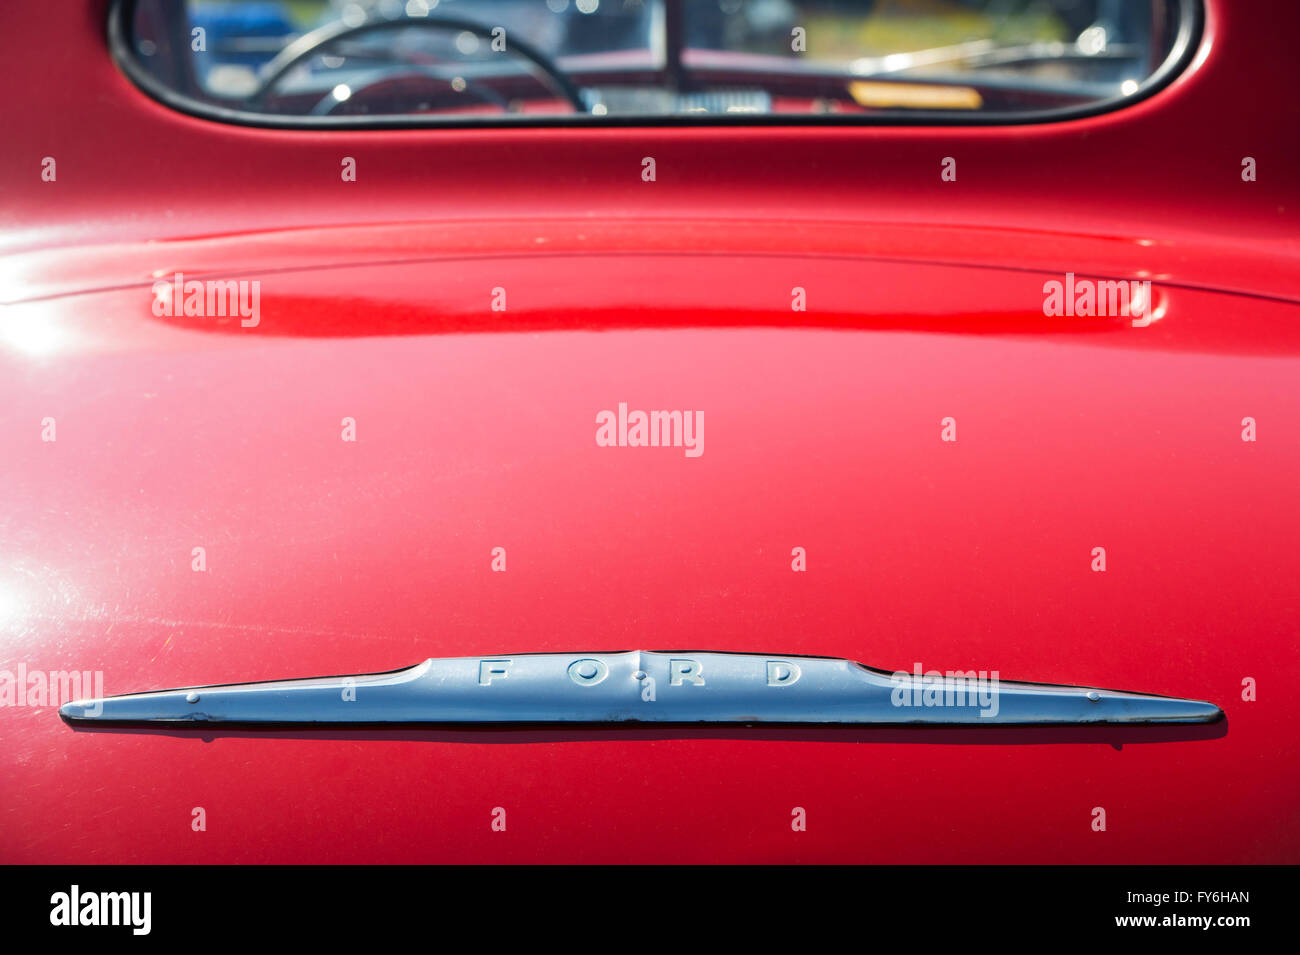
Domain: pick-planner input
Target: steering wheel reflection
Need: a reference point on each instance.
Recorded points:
(309, 44)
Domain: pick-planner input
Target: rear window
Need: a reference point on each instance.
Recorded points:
(445, 62)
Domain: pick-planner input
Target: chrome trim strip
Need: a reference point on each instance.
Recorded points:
(640, 687)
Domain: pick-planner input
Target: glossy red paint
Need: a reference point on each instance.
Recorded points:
(476, 429)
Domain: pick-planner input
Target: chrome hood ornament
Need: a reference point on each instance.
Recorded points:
(641, 687)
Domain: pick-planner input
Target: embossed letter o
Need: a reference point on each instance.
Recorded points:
(587, 672)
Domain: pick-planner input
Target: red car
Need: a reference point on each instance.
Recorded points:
(341, 337)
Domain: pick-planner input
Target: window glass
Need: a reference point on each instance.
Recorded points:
(338, 61)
